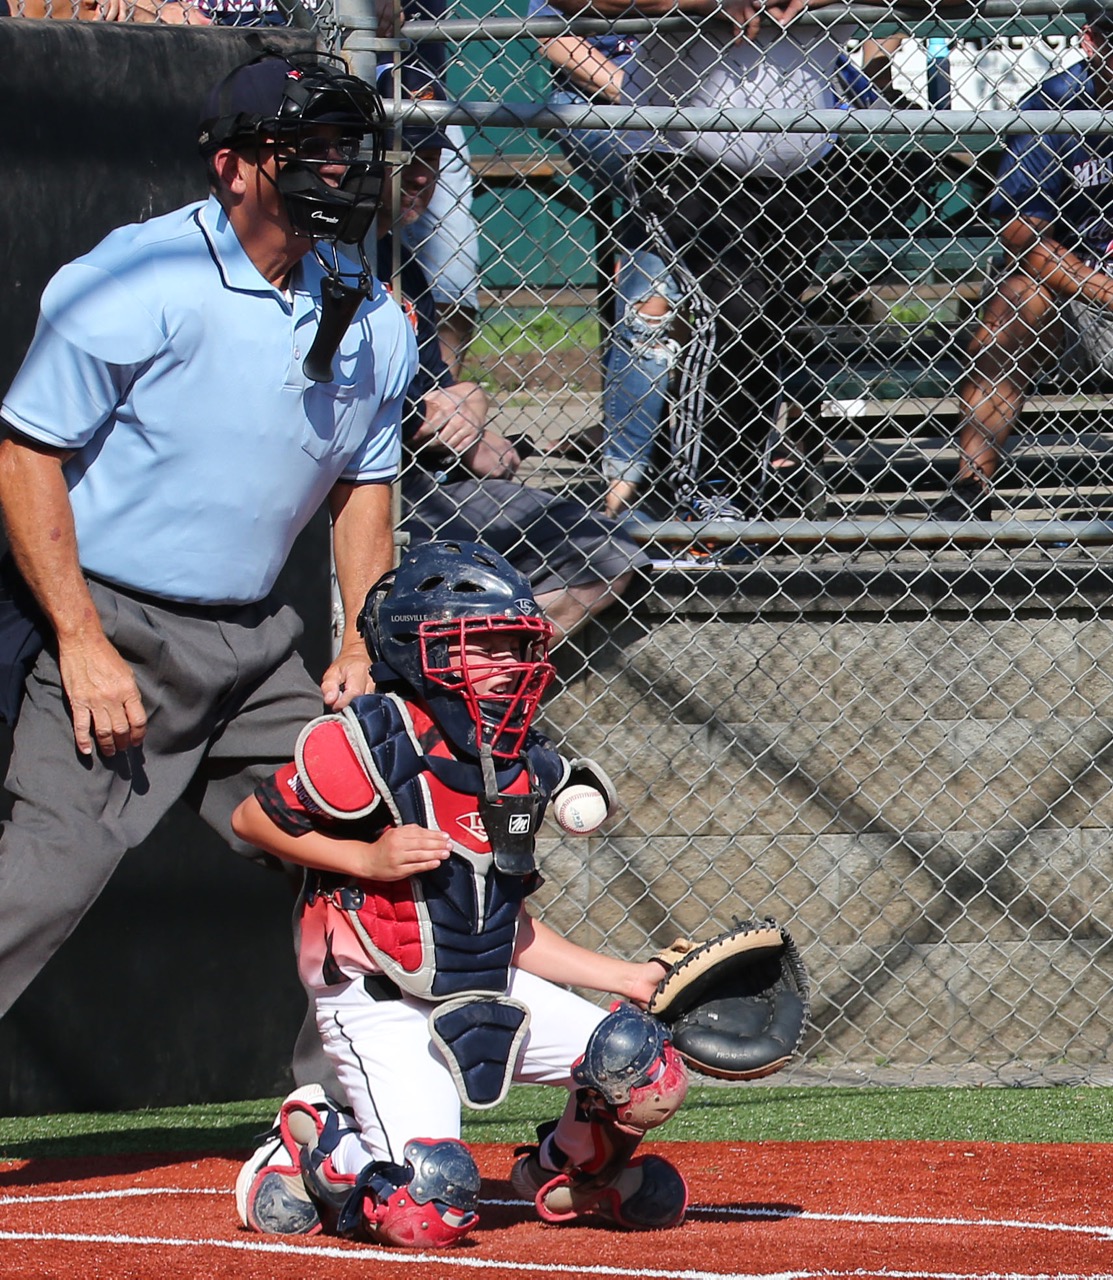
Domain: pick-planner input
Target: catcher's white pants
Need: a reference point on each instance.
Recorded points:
(396, 1080)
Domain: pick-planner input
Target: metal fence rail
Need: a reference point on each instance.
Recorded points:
(832, 701)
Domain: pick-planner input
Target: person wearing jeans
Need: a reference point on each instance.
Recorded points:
(642, 351)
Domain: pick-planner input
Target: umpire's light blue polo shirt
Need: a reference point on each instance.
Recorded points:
(173, 369)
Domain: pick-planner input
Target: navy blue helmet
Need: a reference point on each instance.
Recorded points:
(441, 627)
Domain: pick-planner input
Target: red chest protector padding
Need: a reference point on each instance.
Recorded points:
(332, 769)
(447, 931)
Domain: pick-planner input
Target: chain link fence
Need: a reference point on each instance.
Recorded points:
(849, 700)
(821, 315)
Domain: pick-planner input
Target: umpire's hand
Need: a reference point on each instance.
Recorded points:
(104, 699)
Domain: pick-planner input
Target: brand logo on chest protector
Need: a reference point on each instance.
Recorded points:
(473, 825)
(518, 824)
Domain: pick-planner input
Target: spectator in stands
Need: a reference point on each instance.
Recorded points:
(243, 13)
(738, 215)
(445, 238)
(174, 12)
(1055, 195)
(460, 482)
(643, 349)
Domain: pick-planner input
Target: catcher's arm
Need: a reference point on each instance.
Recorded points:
(398, 853)
(544, 952)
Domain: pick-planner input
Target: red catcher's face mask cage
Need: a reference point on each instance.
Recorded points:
(502, 716)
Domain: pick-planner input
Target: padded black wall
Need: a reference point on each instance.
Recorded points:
(179, 985)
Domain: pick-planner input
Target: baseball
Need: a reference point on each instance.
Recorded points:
(580, 810)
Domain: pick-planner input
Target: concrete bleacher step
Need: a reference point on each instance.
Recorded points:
(1039, 460)
(1074, 504)
(924, 410)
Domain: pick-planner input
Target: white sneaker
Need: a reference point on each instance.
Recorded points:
(271, 1196)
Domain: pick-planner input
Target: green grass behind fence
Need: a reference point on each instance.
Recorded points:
(1063, 1114)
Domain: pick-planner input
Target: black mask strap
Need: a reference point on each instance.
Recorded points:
(339, 304)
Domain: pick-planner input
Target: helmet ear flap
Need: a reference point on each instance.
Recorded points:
(368, 625)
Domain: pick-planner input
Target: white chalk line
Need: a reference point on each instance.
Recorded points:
(122, 1193)
(366, 1254)
(371, 1254)
(756, 1212)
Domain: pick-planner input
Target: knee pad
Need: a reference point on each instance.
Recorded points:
(429, 1202)
(630, 1066)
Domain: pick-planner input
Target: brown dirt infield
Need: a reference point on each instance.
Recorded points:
(780, 1211)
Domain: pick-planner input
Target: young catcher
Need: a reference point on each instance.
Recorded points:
(415, 811)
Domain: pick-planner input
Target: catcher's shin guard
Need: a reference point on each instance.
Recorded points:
(631, 1080)
(643, 1193)
(314, 1132)
(429, 1202)
(271, 1195)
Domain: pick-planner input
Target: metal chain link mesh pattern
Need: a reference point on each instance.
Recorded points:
(860, 708)
(773, 332)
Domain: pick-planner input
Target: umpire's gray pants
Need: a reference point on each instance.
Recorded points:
(226, 696)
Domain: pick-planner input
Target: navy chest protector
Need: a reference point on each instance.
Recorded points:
(447, 935)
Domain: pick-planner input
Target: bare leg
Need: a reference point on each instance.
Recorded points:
(1018, 331)
(570, 607)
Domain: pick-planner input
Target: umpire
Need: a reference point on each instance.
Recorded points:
(162, 449)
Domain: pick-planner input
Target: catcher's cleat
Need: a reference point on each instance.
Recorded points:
(312, 1128)
(271, 1195)
(647, 1194)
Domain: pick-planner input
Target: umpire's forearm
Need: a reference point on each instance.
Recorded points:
(362, 543)
(38, 520)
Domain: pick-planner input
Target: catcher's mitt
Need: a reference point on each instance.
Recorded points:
(735, 1005)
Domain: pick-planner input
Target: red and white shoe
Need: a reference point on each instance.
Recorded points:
(271, 1195)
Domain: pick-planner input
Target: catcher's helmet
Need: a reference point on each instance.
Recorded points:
(417, 622)
(288, 99)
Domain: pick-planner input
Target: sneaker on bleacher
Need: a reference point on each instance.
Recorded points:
(702, 509)
(967, 499)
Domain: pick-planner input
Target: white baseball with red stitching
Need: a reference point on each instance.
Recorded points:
(580, 810)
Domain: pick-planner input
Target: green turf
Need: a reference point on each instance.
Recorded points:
(1063, 1114)
(528, 330)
